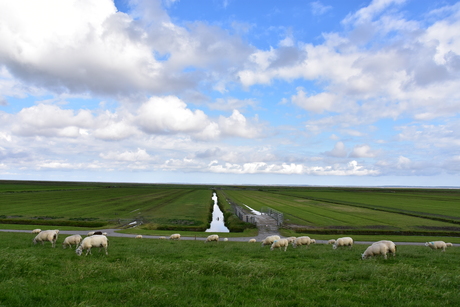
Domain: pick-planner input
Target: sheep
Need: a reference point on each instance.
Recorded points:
(212, 238)
(90, 233)
(378, 248)
(36, 231)
(449, 244)
(438, 245)
(175, 236)
(279, 244)
(225, 239)
(47, 235)
(345, 241)
(139, 237)
(93, 241)
(104, 234)
(270, 239)
(99, 233)
(252, 241)
(291, 239)
(305, 240)
(71, 240)
(331, 241)
(312, 241)
(162, 238)
(391, 246)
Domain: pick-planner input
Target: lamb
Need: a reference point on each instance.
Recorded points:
(270, 239)
(305, 240)
(139, 237)
(36, 231)
(47, 235)
(378, 248)
(438, 245)
(71, 240)
(331, 241)
(212, 238)
(345, 241)
(391, 246)
(252, 241)
(175, 236)
(93, 241)
(279, 244)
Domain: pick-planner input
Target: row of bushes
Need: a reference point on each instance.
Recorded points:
(90, 224)
(377, 232)
(232, 222)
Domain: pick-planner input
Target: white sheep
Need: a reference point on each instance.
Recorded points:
(270, 239)
(312, 241)
(138, 237)
(331, 241)
(345, 241)
(449, 244)
(279, 244)
(162, 238)
(212, 238)
(93, 241)
(71, 240)
(438, 245)
(47, 235)
(252, 241)
(90, 233)
(304, 240)
(175, 236)
(225, 239)
(291, 239)
(36, 230)
(390, 244)
(375, 250)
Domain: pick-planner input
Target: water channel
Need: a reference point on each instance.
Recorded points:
(217, 222)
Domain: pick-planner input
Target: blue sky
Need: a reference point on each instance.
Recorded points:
(348, 93)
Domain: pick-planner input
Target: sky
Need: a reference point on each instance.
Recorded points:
(262, 92)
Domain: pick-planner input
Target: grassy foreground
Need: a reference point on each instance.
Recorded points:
(151, 272)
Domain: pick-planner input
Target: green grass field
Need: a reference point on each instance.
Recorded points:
(151, 272)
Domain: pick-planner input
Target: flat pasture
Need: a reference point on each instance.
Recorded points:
(152, 272)
(112, 204)
(299, 210)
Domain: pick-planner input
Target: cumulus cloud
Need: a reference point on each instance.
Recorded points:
(339, 151)
(362, 151)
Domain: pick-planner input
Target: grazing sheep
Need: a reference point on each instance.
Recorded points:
(291, 239)
(90, 233)
(280, 243)
(449, 244)
(331, 241)
(375, 250)
(212, 238)
(71, 240)
(47, 235)
(162, 238)
(175, 236)
(270, 239)
(225, 239)
(312, 241)
(305, 240)
(437, 245)
(93, 241)
(36, 231)
(391, 246)
(345, 241)
(252, 241)
(139, 237)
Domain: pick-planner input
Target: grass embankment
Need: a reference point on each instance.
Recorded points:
(152, 272)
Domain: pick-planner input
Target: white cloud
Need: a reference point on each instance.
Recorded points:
(339, 151)
(129, 156)
(315, 103)
(363, 151)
